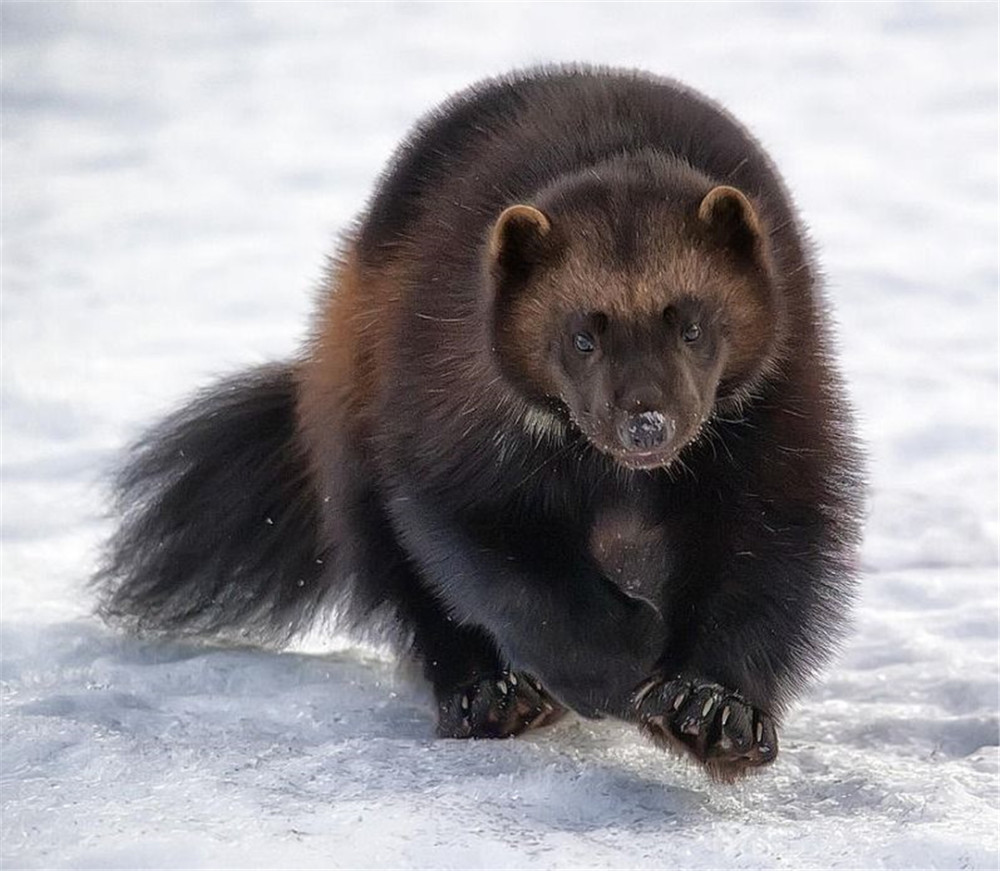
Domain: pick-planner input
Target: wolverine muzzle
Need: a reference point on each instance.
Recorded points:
(646, 431)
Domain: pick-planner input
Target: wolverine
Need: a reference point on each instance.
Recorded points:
(568, 429)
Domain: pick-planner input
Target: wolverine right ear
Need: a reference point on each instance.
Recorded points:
(520, 240)
(731, 217)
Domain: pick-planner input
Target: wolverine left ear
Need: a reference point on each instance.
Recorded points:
(520, 239)
(731, 217)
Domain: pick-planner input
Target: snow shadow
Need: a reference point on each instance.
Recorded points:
(292, 729)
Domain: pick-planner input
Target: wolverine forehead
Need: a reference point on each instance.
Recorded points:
(659, 276)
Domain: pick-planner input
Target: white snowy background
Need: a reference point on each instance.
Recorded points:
(172, 177)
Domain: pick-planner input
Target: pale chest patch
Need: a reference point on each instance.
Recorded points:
(632, 552)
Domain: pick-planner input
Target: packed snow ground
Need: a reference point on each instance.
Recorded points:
(173, 176)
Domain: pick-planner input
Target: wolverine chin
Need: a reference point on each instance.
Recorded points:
(641, 461)
(646, 460)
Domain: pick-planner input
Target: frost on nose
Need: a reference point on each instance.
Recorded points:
(647, 431)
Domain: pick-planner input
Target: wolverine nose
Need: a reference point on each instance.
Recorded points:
(646, 431)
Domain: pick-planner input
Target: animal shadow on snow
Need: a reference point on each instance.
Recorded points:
(350, 726)
(346, 725)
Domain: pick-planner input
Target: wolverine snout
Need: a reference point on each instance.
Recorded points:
(646, 431)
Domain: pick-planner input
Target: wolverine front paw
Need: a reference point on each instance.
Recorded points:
(714, 724)
(499, 706)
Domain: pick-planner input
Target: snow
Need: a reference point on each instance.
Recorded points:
(174, 174)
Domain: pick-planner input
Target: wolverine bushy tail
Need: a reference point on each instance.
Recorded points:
(220, 522)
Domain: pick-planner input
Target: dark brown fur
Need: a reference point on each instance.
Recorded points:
(655, 521)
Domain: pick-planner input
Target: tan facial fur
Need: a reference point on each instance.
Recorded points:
(682, 255)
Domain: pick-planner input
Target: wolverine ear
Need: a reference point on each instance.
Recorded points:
(731, 218)
(520, 239)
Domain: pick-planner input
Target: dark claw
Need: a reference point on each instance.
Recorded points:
(737, 731)
(697, 712)
(767, 743)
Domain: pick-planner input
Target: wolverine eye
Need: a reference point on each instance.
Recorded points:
(584, 342)
(692, 332)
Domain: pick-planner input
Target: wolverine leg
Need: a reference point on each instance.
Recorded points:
(477, 694)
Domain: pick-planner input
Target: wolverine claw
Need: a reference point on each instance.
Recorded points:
(497, 706)
(708, 721)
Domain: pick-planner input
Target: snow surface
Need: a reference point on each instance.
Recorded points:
(173, 176)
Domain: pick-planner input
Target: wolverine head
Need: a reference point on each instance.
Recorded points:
(633, 303)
